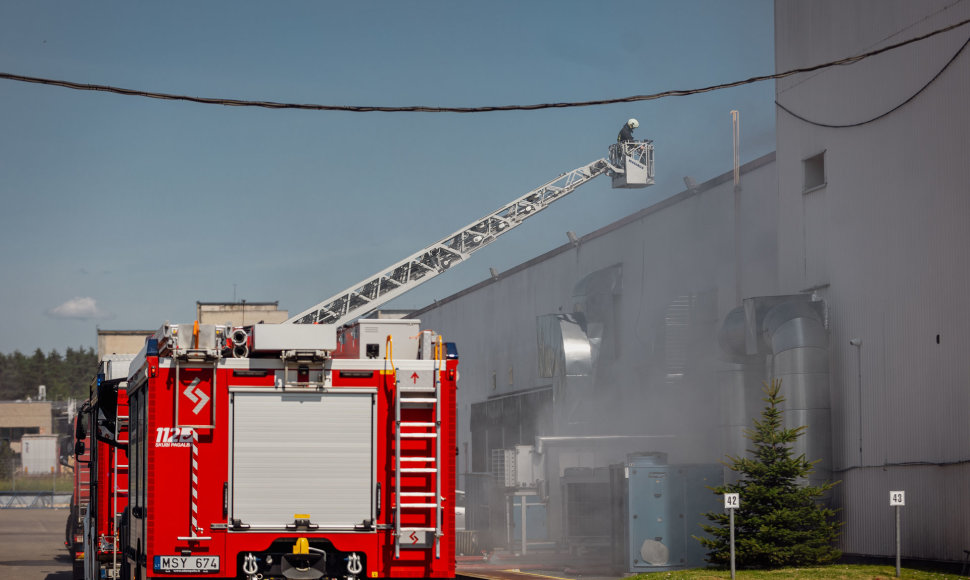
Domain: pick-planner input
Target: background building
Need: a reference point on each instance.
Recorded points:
(236, 313)
(239, 313)
(24, 418)
(121, 341)
(839, 264)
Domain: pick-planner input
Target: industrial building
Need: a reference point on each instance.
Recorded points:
(839, 264)
(19, 418)
(239, 313)
(121, 341)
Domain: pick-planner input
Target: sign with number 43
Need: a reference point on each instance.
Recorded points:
(897, 498)
(732, 501)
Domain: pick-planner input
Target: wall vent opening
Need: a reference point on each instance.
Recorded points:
(814, 168)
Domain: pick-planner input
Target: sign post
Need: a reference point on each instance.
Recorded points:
(731, 502)
(897, 499)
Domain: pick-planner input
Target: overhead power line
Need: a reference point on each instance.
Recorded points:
(884, 114)
(485, 109)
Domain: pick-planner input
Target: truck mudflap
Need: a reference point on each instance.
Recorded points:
(303, 560)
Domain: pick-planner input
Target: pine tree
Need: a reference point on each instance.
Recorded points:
(780, 522)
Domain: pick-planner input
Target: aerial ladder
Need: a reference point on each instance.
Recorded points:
(630, 165)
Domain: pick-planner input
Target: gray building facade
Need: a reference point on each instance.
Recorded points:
(873, 212)
(622, 341)
(607, 347)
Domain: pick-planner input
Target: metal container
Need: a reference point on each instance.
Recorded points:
(39, 454)
(527, 504)
(657, 509)
(586, 506)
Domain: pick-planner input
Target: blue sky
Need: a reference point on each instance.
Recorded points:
(121, 212)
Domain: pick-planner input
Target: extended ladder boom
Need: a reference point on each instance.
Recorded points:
(630, 165)
(418, 268)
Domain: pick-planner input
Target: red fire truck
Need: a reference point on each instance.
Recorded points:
(292, 451)
(105, 425)
(80, 497)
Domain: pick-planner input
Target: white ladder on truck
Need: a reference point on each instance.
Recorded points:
(417, 391)
(121, 422)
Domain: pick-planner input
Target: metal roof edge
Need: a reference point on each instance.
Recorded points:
(663, 204)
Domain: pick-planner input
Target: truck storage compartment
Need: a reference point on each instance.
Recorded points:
(302, 454)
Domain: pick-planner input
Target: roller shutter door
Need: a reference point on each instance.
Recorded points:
(302, 453)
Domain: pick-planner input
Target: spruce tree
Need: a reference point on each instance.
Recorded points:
(780, 522)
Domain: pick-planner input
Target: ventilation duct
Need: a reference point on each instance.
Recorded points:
(595, 297)
(564, 348)
(566, 356)
(572, 346)
(781, 337)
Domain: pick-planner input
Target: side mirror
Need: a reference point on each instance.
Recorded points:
(79, 448)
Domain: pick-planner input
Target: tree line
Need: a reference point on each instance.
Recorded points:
(64, 376)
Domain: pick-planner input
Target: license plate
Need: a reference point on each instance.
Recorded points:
(187, 564)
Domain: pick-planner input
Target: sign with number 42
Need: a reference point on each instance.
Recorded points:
(732, 501)
(897, 498)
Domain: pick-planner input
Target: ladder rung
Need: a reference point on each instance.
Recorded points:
(417, 400)
(418, 424)
(409, 530)
(419, 435)
(418, 505)
(417, 459)
(419, 470)
(416, 494)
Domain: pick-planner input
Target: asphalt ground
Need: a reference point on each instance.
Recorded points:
(32, 548)
(32, 545)
(536, 565)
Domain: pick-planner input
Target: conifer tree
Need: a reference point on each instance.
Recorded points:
(780, 521)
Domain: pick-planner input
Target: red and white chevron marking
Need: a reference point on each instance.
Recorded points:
(195, 483)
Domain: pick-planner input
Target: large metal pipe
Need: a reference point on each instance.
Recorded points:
(739, 379)
(592, 440)
(781, 337)
(800, 358)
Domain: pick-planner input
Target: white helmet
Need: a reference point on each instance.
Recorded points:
(633, 123)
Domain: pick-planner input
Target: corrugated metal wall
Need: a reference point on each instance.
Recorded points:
(885, 242)
(930, 492)
(678, 252)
